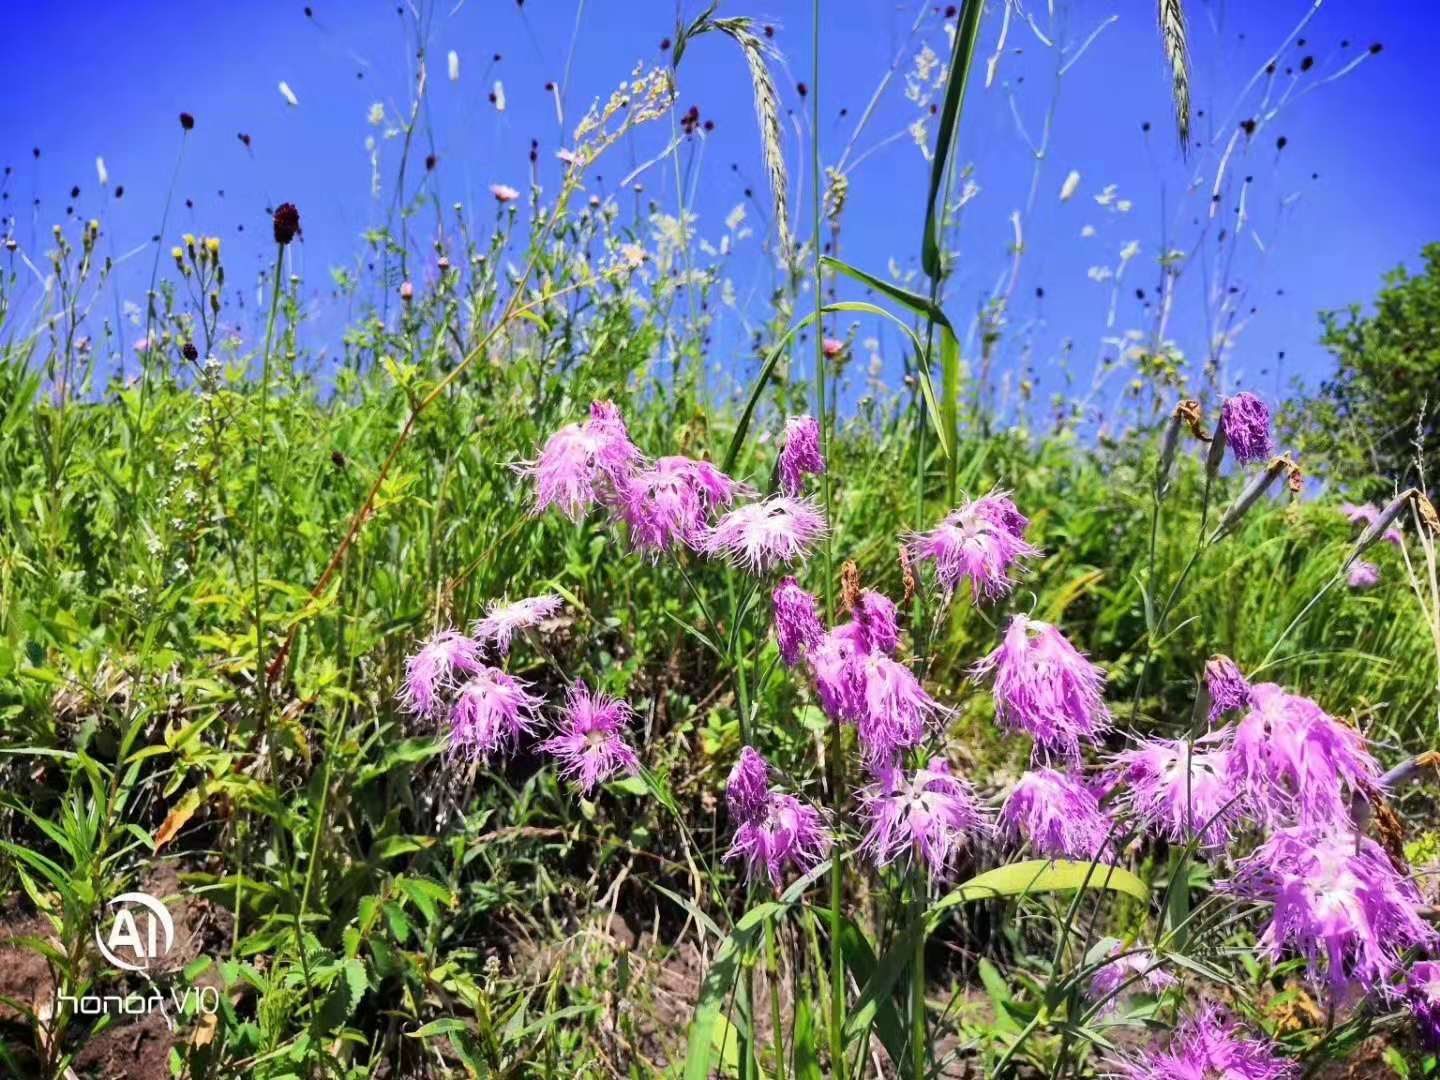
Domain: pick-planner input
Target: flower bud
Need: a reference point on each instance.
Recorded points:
(1252, 493)
(1376, 529)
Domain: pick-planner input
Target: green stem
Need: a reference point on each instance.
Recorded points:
(837, 794)
(918, 1040)
(777, 1021)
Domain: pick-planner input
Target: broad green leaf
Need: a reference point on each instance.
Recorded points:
(1041, 876)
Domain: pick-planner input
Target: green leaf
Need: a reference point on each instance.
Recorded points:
(805, 1061)
(914, 301)
(967, 33)
(700, 1045)
(1041, 876)
(446, 1025)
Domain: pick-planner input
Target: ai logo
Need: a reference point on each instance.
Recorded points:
(126, 939)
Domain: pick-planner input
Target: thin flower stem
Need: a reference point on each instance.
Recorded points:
(836, 765)
(777, 1021)
(1300, 617)
(918, 1040)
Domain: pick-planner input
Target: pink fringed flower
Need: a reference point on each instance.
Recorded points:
(589, 743)
(435, 668)
(797, 621)
(504, 193)
(837, 678)
(1422, 994)
(890, 708)
(800, 456)
(492, 711)
(762, 535)
(782, 833)
(980, 541)
(1058, 815)
(1177, 790)
(503, 619)
(1360, 513)
(583, 463)
(875, 615)
(1046, 687)
(713, 488)
(1297, 764)
(1363, 575)
(1338, 902)
(1204, 1046)
(671, 503)
(748, 786)
(1132, 971)
(931, 815)
(1245, 420)
(1226, 685)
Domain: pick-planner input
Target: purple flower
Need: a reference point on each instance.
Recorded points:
(1363, 575)
(783, 832)
(662, 509)
(890, 708)
(761, 535)
(1203, 1046)
(837, 678)
(590, 741)
(1360, 513)
(1245, 419)
(1046, 687)
(1134, 970)
(502, 619)
(1422, 993)
(713, 487)
(435, 669)
(930, 815)
(800, 456)
(583, 463)
(1175, 790)
(748, 786)
(492, 711)
(1338, 902)
(1057, 815)
(1297, 764)
(981, 541)
(1227, 687)
(797, 621)
(875, 616)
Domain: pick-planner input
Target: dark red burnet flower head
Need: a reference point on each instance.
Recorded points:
(187, 121)
(287, 223)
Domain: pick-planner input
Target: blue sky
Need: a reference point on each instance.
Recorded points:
(1349, 196)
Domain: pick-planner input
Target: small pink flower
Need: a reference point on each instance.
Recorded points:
(797, 621)
(800, 456)
(590, 741)
(930, 815)
(1132, 971)
(436, 668)
(492, 711)
(503, 619)
(780, 833)
(504, 193)
(407, 291)
(1056, 814)
(1363, 575)
(762, 535)
(981, 541)
(1046, 687)
(833, 347)
(583, 463)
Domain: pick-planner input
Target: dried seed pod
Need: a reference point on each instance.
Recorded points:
(850, 584)
(1186, 413)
